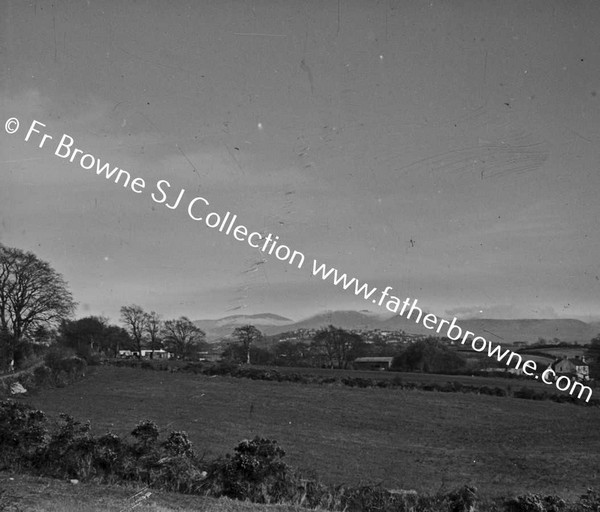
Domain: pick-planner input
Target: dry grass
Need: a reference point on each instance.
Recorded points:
(405, 439)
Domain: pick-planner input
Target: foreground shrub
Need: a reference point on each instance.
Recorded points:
(255, 472)
(536, 503)
(23, 431)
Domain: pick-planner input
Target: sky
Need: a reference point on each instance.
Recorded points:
(447, 149)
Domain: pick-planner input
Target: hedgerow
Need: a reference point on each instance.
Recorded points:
(397, 382)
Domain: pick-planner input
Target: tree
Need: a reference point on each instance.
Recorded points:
(428, 355)
(593, 354)
(340, 346)
(83, 335)
(246, 336)
(93, 334)
(290, 353)
(32, 294)
(236, 352)
(183, 338)
(134, 318)
(153, 329)
(115, 338)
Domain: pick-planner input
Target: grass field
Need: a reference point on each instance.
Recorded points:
(404, 439)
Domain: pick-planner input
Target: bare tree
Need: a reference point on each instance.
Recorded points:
(32, 294)
(182, 337)
(339, 345)
(247, 335)
(134, 319)
(153, 329)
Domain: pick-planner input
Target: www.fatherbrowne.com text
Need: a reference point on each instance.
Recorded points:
(270, 244)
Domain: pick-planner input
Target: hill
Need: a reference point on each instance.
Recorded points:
(530, 330)
(507, 331)
(223, 327)
(343, 319)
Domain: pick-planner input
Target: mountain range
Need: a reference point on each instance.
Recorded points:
(507, 330)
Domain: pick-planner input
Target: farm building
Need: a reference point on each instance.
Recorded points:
(147, 354)
(573, 367)
(157, 354)
(372, 363)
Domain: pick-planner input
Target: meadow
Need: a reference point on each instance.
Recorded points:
(425, 441)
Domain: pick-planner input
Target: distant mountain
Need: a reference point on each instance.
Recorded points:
(344, 319)
(507, 331)
(596, 327)
(400, 323)
(223, 327)
(530, 330)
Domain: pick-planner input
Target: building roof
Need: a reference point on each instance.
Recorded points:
(573, 360)
(373, 359)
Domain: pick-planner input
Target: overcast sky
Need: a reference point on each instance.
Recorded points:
(448, 149)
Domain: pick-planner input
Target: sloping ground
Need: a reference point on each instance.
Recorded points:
(404, 439)
(22, 493)
(29, 369)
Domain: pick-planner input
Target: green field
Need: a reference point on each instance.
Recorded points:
(404, 439)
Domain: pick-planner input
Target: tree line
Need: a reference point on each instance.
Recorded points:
(37, 308)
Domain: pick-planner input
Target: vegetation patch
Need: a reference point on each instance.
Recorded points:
(59, 368)
(273, 375)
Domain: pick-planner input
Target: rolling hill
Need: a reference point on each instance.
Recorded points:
(507, 331)
(223, 327)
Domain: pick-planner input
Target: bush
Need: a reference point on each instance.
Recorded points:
(178, 444)
(146, 432)
(525, 392)
(589, 502)
(22, 432)
(255, 472)
(42, 376)
(69, 452)
(536, 503)
(60, 359)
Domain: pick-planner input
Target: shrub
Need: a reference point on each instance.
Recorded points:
(22, 432)
(536, 503)
(55, 355)
(524, 392)
(146, 432)
(111, 455)
(178, 444)
(255, 472)
(178, 474)
(69, 452)
(42, 376)
(589, 502)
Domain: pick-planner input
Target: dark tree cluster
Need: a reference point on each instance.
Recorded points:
(430, 356)
(34, 298)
